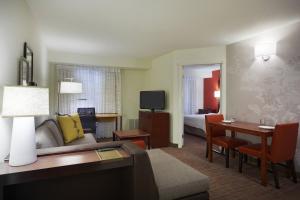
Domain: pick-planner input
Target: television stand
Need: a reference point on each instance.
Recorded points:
(157, 124)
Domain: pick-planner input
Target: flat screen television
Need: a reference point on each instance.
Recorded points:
(153, 100)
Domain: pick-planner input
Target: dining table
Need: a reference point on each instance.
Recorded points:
(240, 127)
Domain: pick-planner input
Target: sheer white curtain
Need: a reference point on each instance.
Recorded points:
(101, 88)
(193, 94)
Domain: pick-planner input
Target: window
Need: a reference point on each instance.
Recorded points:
(101, 88)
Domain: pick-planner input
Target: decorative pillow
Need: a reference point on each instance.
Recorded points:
(71, 127)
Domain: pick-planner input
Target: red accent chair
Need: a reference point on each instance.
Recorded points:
(140, 143)
(219, 137)
(282, 149)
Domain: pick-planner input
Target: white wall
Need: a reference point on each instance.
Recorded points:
(16, 27)
(132, 84)
(166, 74)
(122, 62)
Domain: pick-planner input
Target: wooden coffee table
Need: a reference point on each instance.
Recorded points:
(132, 134)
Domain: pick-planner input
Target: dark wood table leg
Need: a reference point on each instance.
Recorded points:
(149, 142)
(116, 121)
(121, 123)
(209, 140)
(233, 136)
(114, 136)
(1, 189)
(263, 164)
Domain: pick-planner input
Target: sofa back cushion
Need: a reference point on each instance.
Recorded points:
(48, 134)
(45, 138)
(56, 131)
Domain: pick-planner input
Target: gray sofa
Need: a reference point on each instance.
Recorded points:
(173, 179)
(49, 134)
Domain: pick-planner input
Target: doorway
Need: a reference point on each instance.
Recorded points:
(201, 94)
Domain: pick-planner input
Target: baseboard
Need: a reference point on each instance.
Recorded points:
(173, 145)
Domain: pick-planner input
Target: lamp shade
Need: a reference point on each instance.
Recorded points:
(70, 88)
(217, 94)
(25, 101)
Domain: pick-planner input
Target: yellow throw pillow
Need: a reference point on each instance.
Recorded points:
(71, 127)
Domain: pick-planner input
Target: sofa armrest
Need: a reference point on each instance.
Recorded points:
(143, 177)
(78, 148)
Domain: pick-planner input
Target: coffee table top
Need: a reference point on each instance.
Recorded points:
(131, 134)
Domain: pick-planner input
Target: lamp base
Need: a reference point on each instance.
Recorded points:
(23, 147)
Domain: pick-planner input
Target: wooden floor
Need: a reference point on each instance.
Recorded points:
(229, 184)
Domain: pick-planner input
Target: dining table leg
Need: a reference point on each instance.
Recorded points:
(209, 142)
(233, 136)
(263, 164)
(1, 189)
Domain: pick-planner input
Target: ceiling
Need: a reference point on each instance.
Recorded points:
(148, 28)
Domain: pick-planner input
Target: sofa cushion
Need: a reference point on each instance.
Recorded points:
(87, 139)
(44, 138)
(71, 127)
(175, 179)
(55, 129)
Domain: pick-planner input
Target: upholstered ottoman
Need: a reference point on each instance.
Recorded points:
(176, 180)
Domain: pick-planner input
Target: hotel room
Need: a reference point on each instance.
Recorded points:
(140, 99)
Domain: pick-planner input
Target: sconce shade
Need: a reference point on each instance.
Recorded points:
(70, 88)
(217, 94)
(25, 101)
(265, 49)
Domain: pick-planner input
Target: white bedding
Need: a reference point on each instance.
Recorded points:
(196, 120)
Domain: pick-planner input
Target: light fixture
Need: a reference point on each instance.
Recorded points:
(217, 94)
(69, 87)
(265, 50)
(22, 103)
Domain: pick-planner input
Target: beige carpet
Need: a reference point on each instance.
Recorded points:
(229, 184)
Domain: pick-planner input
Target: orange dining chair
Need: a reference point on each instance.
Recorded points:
(139, 143)
(219, 137)
(282, 149)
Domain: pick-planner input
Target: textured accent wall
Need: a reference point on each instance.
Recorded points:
(269, 90)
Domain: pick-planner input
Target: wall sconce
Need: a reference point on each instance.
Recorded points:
(265, 50)
(217, 94)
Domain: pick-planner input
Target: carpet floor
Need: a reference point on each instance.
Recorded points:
(228, 183)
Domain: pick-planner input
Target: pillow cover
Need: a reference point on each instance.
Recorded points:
(71, 127)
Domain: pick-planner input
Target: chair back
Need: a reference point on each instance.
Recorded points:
(88, 119)
(284, 142)
(214, 118)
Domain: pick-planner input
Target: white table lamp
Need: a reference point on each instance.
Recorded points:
(22, 103)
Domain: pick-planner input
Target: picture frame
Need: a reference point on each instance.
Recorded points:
(23, 72)
(28, 55)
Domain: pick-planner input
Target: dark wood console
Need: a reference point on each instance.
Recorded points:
(157, 124)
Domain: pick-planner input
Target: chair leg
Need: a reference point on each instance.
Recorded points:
(206, 154)
(292, 168)
(258, 162)
(289, 169)
(241, 162)
(233, 153)
(227, 157)
(222, 151)
(275, 174)
(245, 158)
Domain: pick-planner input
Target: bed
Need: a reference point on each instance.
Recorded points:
(195, 124)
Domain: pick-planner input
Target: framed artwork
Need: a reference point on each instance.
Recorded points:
(23, 72)
(28, 55)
